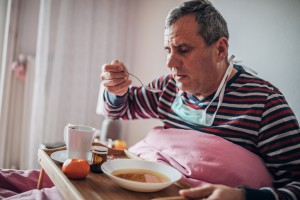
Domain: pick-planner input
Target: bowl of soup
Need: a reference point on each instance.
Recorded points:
(140, 175)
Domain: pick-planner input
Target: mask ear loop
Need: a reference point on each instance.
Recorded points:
(221, 89)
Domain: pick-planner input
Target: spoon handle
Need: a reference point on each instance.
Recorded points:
(146, 87)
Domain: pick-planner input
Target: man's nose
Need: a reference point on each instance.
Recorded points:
(173, 61)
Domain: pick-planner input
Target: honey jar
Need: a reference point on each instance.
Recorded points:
(99, 156)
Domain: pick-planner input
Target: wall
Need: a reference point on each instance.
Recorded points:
(264, 34)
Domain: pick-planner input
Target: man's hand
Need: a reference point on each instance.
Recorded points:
(213, 192)
(115, 78)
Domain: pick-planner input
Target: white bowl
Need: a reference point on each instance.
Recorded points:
(112, 165)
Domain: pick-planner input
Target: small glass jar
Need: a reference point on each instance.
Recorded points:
(99, 156)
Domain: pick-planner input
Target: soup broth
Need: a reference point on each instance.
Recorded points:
(141, 175)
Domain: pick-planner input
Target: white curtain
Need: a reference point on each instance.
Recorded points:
(3, 12)
(9, 89)
(4, 19)
(75, 38)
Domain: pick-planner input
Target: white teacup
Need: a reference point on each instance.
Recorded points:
(78, 139)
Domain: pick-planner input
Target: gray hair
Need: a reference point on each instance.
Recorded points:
(212, 25)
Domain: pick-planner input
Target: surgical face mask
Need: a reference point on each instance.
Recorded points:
(201, 117)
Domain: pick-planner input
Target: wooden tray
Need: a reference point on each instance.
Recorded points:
(95, 186)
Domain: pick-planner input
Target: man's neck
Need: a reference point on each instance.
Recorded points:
(214, 88)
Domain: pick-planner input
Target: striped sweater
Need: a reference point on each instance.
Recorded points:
(254, 114)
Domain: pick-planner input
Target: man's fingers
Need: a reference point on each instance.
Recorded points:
(115, 65)
(119, 88)
(119, 63)
(115, 82)
(116, 62)
(113, 75)
(113, 68)
(197, 192)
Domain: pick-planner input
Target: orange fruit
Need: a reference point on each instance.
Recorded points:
(76, 168)
(119, 144)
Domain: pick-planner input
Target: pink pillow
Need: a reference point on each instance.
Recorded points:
(204, 158)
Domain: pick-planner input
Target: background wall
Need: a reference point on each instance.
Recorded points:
(263, 34)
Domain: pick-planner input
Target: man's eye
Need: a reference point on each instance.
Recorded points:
(183, 50)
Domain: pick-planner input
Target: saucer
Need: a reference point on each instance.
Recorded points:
(61, 156)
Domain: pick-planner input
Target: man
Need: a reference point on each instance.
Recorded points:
(207, 93)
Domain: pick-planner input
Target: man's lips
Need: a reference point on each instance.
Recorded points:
(179, 77)
(176, 75)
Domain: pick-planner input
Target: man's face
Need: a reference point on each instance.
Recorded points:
(196, 64)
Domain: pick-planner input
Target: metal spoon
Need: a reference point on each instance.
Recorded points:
(145, 86)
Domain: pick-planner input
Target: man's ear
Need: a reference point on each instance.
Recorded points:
(222, 48)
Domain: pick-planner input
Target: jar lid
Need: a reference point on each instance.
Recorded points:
(100, 149)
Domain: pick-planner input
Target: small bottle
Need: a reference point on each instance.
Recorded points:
(98, 158)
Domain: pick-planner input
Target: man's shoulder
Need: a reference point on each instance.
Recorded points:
(253, 82)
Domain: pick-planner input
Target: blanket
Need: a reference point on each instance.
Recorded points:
(204, 158)
(22, 184)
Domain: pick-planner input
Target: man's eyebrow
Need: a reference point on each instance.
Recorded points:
(178, 45)
(182, 45)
